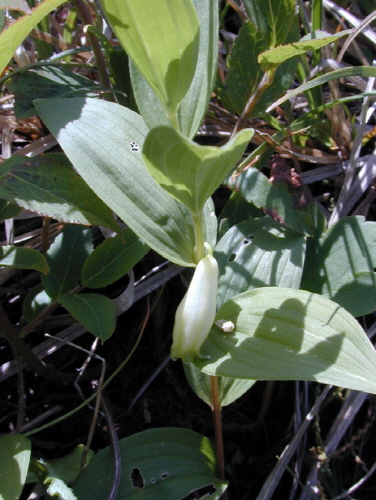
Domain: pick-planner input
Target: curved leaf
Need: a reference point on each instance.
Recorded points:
(14, 35)
(162, 39)
(95, 311)
(48, 186)
(230, 389)
(23, 258)
(195, 103)
(103, 141)
(15, 452)
(280, 54)
(112, 259)
(66, 257)
(280, 200)
(8, 210)
(186, 170)
(158, 463)
(258, 252)
(284, 334)
(340, 265)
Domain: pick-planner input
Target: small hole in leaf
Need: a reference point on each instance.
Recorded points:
(248, 239)
(134, 146)
(137, 478)
(232, 257)
(164, 475)
(153, 480)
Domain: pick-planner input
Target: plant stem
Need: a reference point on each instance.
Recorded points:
(266, 81)
(97, 50)
(199, 236)
(217, 419)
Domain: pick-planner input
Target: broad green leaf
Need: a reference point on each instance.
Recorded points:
(274, 18)
(112, 259)
(44, 82)
(340, 265)
(230, 389)
(66, 257)
(162, 39)
(258, 252)
(14, 461)
(103, 141)
(8, 210)
(195, 103)
(314, 41)
(47, 185)
(279, 200)
(186, 170)
(95, 311)
(244, 71)
(35, 302)
(156, 464)
(15, 34)
(366, 71)
(285, 334)
(23, 258)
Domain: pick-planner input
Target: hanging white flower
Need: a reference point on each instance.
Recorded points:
(195, 315)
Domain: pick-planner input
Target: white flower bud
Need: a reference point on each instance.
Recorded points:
(196, 312)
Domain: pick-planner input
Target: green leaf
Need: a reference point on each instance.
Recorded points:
(195, 103)
(284, 334)
(186, 170)
(14, 461)
(158, 463)
(48, 186)
(66, 257)
(230, 389)
(95, 311)
(314, 41)
(244, 71)
(259, 252)
(47, 82)
(278, 199)
(366, 71)
(162, 39)
(23, 258)
(112, 259)
(35, 302)
(98, 138)
(340, 265)
(15, 34)
(274, 18)
(8, 210)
